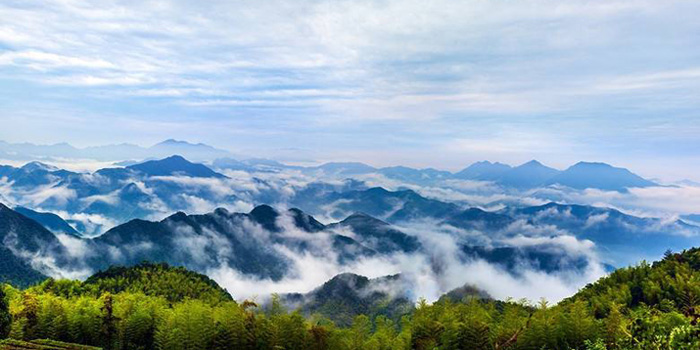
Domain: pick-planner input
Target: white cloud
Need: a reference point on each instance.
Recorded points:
(645, 202)
(437, 81)
(596, 219)
(60, 195)
(44, 61)
(439, 268)
(76, 247)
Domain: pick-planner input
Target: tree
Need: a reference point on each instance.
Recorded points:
(473, 335)
(319, 337)
(30, 315)
(5, 317)
(360, 332)
(108, 329)
(613, 327)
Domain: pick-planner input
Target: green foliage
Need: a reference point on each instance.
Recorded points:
(42, 344)
(173, 283)
(638, 308)
(5, 316)
(597, 345)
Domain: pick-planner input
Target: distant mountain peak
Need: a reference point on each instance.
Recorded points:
(171, 141)
(178, 216)
(176, 158)
(347, 279)
(592, 164)
(174, 165)
(131, 187)
(198, 151)
(532, 163)
(362, 217)
(599, 175)
(264, 209)
(34, 166)
(266, 216)
(222, 212)
(379, 190)
(483, 171)
(346, 168)
(50, 221)
(174, 142)
(528, 175)
(487, 162)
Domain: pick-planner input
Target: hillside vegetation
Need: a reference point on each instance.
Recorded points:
(42, 344)
(642, 307)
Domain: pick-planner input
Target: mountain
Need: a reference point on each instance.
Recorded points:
(33, 175)
(602, 176)
(536, 257)
(464, 293)
(32, 166)
(620, 237)
(110, 196)
(417, 176)
(175, 166)
(230, 164)
(50, 221)
(246, 242)
(268, 218)
(687, 182)
(668, 286)
(693, 218)
(478, 219)
(646, 306)
(526, 176)
(175, 284)
(255, 165)
(344, 169)
(122, 204)
(24, 151)
(116, 152)
(24, 235)
(379, 235)
(533, 174)
(197, 151)
(17, 271)
(392, 206)
(197, 242)
(348, 295)
(25, 245)
(483, 171)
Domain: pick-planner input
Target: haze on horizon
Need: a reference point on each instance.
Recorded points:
(394, 82)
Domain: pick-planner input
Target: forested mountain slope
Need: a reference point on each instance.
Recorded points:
(641, 307)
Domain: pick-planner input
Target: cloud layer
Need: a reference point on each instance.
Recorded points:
(393, 81)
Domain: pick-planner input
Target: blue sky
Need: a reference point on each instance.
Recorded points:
(439, 83)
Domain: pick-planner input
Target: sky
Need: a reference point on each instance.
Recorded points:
(420, 83)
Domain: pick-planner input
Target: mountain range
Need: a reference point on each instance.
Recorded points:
(244, 242)
(259, 243)
(69, 223)
(347, 295)
(118, 152)
(526, 176)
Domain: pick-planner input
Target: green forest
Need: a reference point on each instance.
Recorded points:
(154, 306)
